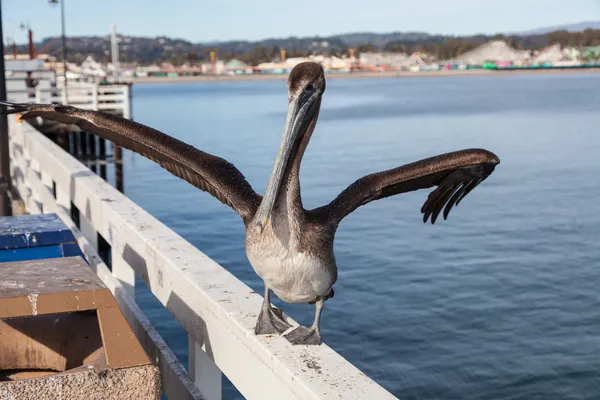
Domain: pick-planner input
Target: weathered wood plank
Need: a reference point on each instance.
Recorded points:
(53, 275)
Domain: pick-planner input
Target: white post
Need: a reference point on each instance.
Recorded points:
(120, 269)
(95, 97)
(38, 96)
(63, 199)
(87, 230)
(203, 371)
(126, 103)
(64, 95)
(46, 179)
(123, 272)
(36, 197)
(115, 52)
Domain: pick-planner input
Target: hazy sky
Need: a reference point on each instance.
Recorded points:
(199, 20)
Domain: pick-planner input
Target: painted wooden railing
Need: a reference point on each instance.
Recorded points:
(113, 98)
(217, 310)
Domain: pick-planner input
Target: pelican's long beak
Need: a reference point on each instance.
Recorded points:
(301, 111)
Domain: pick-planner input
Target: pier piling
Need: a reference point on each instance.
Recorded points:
(118, 153)
(83, 146)
(92, 153)
(102, 157)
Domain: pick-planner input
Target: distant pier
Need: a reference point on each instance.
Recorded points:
(91, 150)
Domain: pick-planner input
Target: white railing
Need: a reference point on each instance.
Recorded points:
(217, 310)
(113, 98)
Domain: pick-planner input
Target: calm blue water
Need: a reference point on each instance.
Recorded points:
(499, 302)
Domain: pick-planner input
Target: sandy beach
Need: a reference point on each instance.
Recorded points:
(365, 75)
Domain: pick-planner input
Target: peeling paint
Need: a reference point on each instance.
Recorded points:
(33, 301)
(160, 278)
(78, 281)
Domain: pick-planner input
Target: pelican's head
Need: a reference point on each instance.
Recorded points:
(306, 85)
(306, 78)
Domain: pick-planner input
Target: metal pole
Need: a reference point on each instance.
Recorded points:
(114, 52)
(31, 48)
(64, 46)
(5, 208)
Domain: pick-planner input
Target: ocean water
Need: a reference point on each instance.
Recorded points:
(501, 301)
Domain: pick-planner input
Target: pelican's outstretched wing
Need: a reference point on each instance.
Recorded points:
(455, 175)
(205, 171)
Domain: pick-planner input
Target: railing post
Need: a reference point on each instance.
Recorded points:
(119, 267)
(95, 97)
(126, 102)
(36, 204)
(63, 199)
(46, 179)
(88, 231)
(203, 371)
(64, 94)
(38, 96)
(124, 273)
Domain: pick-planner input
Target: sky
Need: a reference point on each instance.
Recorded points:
(221, 20)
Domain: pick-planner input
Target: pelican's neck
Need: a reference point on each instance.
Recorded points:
(289, 198)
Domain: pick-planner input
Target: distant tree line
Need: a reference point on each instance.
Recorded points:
(178, 52)
(440, 47)
(444, 48)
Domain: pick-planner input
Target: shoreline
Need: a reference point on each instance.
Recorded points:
(367, 75)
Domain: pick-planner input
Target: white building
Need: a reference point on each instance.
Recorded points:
(91, 67)
(208, 68)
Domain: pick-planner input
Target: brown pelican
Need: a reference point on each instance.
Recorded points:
(289, 247)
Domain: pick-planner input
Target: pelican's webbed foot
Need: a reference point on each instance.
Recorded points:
(312, 335)
(303, 335)
(271, 321)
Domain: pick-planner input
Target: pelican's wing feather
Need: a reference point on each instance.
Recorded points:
(455, 175)
(203, 170)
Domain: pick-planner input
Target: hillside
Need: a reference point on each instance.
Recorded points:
(578, 27)
(147, 50)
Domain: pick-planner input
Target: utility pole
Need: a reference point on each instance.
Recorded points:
(5, 207)
(31, 49)
(114, 52)
(64, 40)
